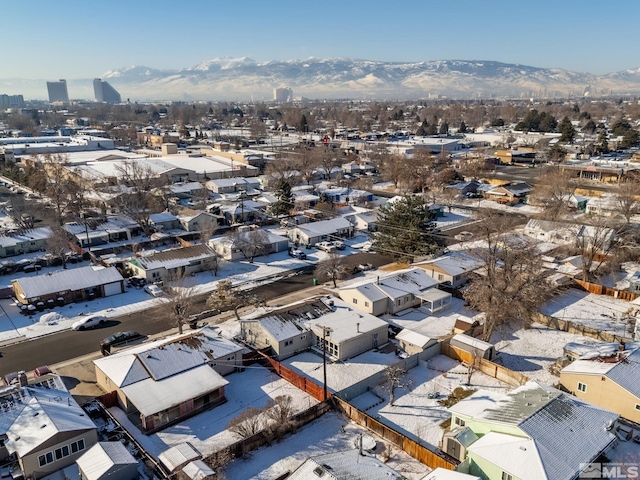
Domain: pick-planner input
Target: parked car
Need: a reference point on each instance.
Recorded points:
(463, 236)
(119, 338)
(368, 247)
(328, 247)
(40, 371)
(298, 254)
(91, 321)
(153, 290)
(136, 282)
(339, 245)
(362, 267)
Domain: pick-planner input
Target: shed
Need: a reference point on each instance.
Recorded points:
(473, 345)
(414, 342)
(175, 457)
(109, 460)
(198, 470)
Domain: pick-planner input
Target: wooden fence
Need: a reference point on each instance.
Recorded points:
(238, 449)
(602, 290)
(485, 366)
(580, 329)
(407, 445)
(294, 378)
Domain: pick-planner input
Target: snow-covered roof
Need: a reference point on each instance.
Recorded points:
(231, 182)
(67, 280)
(325, 227)
(185, 187)
(41, 233)
(473, 342)
(349, 464)
(198, 470)
(44, 416)
(100, 458)
(476, 403)
(345, 323)
(456, 263)
(516, 456)
(174, 258)
(164, 373)
(414, 338)
(178, 455)
(162, 217)
(444, 474)
(394, 285)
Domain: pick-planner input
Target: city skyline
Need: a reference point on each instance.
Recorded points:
(64, 41)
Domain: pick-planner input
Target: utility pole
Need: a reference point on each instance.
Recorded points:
(325, 331)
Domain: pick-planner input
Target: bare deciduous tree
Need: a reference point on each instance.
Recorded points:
(179, 303)
(626, 199)
(513, 283)
(226, 297)
(595, 242)
(58, 244)
(332, 268)
(251, 244)
(248, 423)
(395, 378)
(553, 192)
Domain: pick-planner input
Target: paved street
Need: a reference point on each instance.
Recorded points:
(62, 346)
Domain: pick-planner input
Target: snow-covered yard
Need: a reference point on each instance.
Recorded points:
(533, 350)
(601, 312)
(414, 413)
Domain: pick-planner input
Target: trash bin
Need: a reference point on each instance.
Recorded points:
(315, 281)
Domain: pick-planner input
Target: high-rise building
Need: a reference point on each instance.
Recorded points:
(104, 92)
(282, 94)
(11, 101)
(58, 91)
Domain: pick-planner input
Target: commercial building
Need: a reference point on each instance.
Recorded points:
(58, 91)
(104, 92)
(11, 101)
(282, 94)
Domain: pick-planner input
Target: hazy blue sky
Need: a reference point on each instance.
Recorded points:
(82, 39)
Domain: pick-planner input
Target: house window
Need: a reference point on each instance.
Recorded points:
(303, 337)
(288, 342)
(45, 459)
(77, 446)
(582, 387)
(637, 406)
(460, 422)
(366, 304)
(506, 476)
(266, 340)
(355, 300)
(440, 276)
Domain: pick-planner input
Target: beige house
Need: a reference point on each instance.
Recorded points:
(173, 264)
(395, 292)
(171, 379)
(452, 270)
(308, 324)
(197, 221)
(32, 240)
(46, 429)
(607, 379)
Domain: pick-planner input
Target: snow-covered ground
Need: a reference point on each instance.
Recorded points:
(207, 431)
(533, 350)
(329, 433)
(604, 313)
(14, 325)
(414, 413)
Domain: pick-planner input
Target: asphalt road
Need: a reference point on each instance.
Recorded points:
(63, 346)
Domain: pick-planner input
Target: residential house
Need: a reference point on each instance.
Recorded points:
(605, 205)
(452, 270)
(72, 285)
(444, 474)
(346, 195)
(225, 247)
(233, 185)
(185, 189)
(173, 264)
(510, 193)
(43, 427)
(308, 324)
(363, 220)
(534, 432)
(168, 380)
(462, 188)
(573, 234)
(608, 378)
(315, 232)
(24, 241)
(198, 221)
(165, 221)
(102, 230)
(108, 461)
(395, 292)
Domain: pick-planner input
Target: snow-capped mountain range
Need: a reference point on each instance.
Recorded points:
(244, 78)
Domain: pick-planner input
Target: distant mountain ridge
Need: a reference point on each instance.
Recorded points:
(243, 78)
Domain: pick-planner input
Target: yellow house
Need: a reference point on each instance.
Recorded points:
(609, 380)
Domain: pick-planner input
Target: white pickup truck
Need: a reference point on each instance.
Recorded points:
(328, 247)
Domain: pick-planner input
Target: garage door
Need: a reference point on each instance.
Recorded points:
(112, 289)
